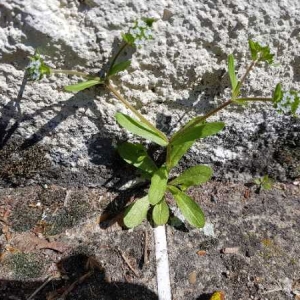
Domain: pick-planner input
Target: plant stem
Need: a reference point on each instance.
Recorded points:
(69, 72)
(116, 56)
(168, 159)
(198, 120)
(136, 112)
(256, 99)
(251, 66)
(162, 263)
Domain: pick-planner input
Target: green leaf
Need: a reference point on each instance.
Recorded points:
(137, 155)
(128, 38)
(193, 176)
(237, 89)
(231, 71)
(296, 104)
(264, 182)
(198, 131)
(257, 181)
(267, 183)
(119, 67)
(260, 53)
(177, 152)
(189, 208)
(83, 85)
(158, 185)
(253, 49)
(136, 212)
(277, 95)
(44, 69)
(160, 213)
(182, 142)
(140, 129)
(149, 21)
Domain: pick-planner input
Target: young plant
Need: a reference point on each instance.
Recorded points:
(265, 183)
(180, 142)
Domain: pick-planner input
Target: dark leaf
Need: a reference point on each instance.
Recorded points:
(140, 129)
(137, 155)
(119, 67)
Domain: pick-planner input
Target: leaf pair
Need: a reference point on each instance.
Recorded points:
(137, 212)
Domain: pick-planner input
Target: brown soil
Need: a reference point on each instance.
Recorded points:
(76, 236)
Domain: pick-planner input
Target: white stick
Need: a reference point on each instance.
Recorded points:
(162, 264)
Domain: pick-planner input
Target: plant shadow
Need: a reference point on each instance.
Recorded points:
(82, 277)
(11, 116)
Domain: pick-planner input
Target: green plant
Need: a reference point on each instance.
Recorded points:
(265, 182)
(179, 143)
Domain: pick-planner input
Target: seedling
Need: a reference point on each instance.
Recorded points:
(181, 141)
(265, 182)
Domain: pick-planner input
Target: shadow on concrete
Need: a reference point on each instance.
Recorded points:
(9, 125)
(83, 278)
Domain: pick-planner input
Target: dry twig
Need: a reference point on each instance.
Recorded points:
(126, 260)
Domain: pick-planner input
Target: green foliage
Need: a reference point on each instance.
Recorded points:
(177, 152)
(37, 68)
(83, 85)
(161, 213)
(265, 182)
(136, 212)
(231, 71)
(277, 94)
(149, 21)
(119, 67)
(180, 142)
(286, 102)
(139, 33)
(137, 155)
(197, 131)
(189, 208)
(193, 176)
(236, 91)
(140, 129)
(260, 53)
(295, 105)
(128, 38)
(158, 185)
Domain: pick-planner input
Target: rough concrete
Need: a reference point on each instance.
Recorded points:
(52, 141)
(181, 73)
(254, 253)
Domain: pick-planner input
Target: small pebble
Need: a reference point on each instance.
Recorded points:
(193, 277)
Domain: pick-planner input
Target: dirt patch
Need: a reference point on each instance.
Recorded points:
(253, 255)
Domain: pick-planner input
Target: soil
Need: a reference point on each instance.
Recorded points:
(75, 239)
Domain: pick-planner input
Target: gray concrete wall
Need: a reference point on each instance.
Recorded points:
(54, 136)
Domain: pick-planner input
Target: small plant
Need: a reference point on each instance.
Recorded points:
(265, 182)
(180, 142)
